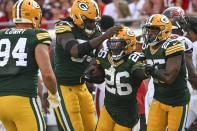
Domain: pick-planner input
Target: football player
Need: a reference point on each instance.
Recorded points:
(169, 107)
(24, 49)
(176, 15)
(192, 35)
(77, 36)
(123, 76)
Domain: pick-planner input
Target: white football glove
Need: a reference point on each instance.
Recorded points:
(54, 100)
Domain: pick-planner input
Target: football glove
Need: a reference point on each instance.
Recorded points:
(150, 69)
(54, 100)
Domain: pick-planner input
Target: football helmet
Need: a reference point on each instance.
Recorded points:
(157, 28)
(27, 11)
(86, 15)
(122, 43)
(177, 16)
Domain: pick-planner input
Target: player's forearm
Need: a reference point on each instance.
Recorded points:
(50, 82)
(193, 81)
(164, 76)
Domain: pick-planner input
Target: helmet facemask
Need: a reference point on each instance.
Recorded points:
(152, 35)
(90, 25)
(117, 48)
(179, 25)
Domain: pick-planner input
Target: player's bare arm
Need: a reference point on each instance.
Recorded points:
(71, 46)
(169, 74)
(43, 60)
(192, 75)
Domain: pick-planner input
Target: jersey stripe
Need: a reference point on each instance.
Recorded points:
(173, 49)
(41, 36)
(174, 46)
(62, 28)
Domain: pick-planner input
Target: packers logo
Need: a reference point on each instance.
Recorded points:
(83, 6)
(165, 20)
(35, 5)
(130, 33)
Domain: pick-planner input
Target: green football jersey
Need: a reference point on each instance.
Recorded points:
(121, 87)
(68, 69)
(18, 67)
(176, 93)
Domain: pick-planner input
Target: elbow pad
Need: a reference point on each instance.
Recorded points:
(84, 49)
(68, 46)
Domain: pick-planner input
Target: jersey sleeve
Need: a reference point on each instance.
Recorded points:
(174, 48)
(63, 27)
(43, 37)
(136, 57)
(188, 45)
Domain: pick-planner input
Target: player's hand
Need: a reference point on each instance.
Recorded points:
(45, 103)
(54, 100)
(111, 31)
(150, 69)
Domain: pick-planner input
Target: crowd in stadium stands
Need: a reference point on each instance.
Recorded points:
(137, 10)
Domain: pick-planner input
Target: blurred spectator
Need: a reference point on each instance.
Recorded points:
(117, 9)
(101, 5)
(65, 6)
(135, 8)
(56, 11)
(146, 10)
(158, 6)
(123, 9)
(107, 1)
(184, 4)
(7, 15)
(111, 9)
(192, 8)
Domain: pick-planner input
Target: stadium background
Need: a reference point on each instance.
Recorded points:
(132, 13)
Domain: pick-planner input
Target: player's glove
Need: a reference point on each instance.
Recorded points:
(54, 100)
(150, 69)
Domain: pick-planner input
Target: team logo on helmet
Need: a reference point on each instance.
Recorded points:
(165, 20)
(83, 6)
(130, 33)
(35, 4)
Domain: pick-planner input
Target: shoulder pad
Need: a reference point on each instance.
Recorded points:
(187, 43)
(136, 57)
(63, 26)
(174, 36)
(43, 36)
(172, 47)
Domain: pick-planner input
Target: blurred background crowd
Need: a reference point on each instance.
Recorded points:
(132, 12)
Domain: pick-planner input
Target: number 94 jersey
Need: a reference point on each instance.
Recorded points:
(121, 86)
(18, 67)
